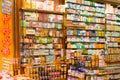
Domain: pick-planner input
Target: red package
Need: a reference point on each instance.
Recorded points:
(41, 17)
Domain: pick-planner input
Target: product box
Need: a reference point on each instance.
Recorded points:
(45, 16)
(49, 5)
(50, 59)
(26, 4)
(33, 4)
(30, 32)
(60, 8)
(40, 5)
(52, 18)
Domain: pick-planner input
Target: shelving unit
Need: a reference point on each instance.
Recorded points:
(113, 38)
(113, 42)
(85, 39)
(86, 29)
(42, 44)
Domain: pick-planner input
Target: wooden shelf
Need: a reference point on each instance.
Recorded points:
(85, 4)
(84, 42)
(85, 36)
(42, 11)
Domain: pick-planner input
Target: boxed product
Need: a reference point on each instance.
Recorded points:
(50, 59)
(36, 60)
(26, 4)
(40, 17)
(40, 5)
(60, 8)
(45, 17)
(49, 5)
(30, 32)
(33, 4)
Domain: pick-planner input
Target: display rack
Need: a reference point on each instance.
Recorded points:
(42, 40)
(85, 37)
(52, 41)
(113, 42)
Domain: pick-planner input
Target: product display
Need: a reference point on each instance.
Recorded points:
(92, 35)
(48, 72)
(67, 40)
(42, 40)
(42, 5)
(112, 37)
(4, 75)
(40, 34)
(76, 74)
(86, 42)
(84, 12)
(112, 34)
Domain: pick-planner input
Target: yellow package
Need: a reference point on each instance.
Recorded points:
(33, 4)
(26, 4)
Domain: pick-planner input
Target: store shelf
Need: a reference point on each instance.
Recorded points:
(42, 21)
(84, 36)
(86, 10)
(113, 14)
(85, 4)
(42, 36)
(113, 31)
(113, 42)
(115, 78)
(73, 76)
(87, 52)
(84, 42)
(114, 73)
(113, 54)
(113, 24)
(85, 15)
(82, 25)
(75, 48)
(43, 28)
(85, 48)
(113, 47)
(86, 22)
(114, 36)
(93, 6)
(42, 49)
(92, 16)
(69, 28)
(42, 11)
(38, 43)
(34, 43)
(110, 20)
(97, 74)
(94, 11)
(31, 56)
(56, 25)
(73, 2)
